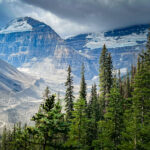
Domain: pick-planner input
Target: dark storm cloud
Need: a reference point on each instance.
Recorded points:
(103, 14)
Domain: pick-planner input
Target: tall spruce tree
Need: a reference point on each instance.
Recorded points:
(93, 117)
(141, 99)
(4, 143)
(77, 133)
(105, 77)
(69, 98)
(137, 122)
(83, 92)
(127, 86)
(50, 127)
(110, 128)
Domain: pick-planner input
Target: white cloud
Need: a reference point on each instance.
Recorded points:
(62, 26)
(72, 17)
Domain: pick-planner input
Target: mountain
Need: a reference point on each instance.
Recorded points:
(124, 44)
(24, 39)
(19, 95)
(35, 48)
(25, 42)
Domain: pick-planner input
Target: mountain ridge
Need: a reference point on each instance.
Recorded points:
(32, 47)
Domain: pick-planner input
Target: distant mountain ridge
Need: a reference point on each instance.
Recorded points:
(36, 43)
(25, 42)
(124, 44)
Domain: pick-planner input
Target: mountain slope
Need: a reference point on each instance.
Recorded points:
(17, 90)
(11, 80)
(124, 44)
(25, 39)
(25, 42)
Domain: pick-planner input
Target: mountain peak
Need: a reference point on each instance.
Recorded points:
(25, 24)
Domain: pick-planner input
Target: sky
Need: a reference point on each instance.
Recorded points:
(72, 17)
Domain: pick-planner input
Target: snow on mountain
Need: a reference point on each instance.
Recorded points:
(17, 25)
(97, 40)
(33, 47)
(124, 45)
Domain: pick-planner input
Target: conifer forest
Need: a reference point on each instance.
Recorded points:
(116, 117)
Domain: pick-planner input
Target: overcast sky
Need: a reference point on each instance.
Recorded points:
(70, 17)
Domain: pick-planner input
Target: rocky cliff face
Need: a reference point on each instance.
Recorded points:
(124, 44)
(26, 42)
(25, 39)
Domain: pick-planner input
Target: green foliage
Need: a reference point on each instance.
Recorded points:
(93, 113)
(77, 133)
(105, 77)
(50, 126)
(83, 92)
(111, 127)
(69, 98)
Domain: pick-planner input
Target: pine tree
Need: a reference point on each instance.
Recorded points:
(120, 82)
(141, 98)
(105, 77)
(82, 92)
(136, 119)
(111, 127)
(148, 43)
(4, 139)
(50, 128)
(127, 86)
(77, 133)
(69, 98)
(93, 117)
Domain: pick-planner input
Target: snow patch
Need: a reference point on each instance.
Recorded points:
(19, 53)
(97, 40)
(16, 26)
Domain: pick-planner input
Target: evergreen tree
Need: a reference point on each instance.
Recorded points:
(127, 86)
(69, 98)
(111, 127)
(82, 92)
(50, 126)
(141, 99)
(4, 139)
(77, 133)
(148, 43)
(105, 76)
(120, 82)
(93, 117)
(136, 119)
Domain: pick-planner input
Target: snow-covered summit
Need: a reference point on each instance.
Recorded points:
(24, 24)
(17, 25)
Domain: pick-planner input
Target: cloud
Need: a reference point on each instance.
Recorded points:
(69, 17)
(6, 12)
(10, 9)
(102, 14)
